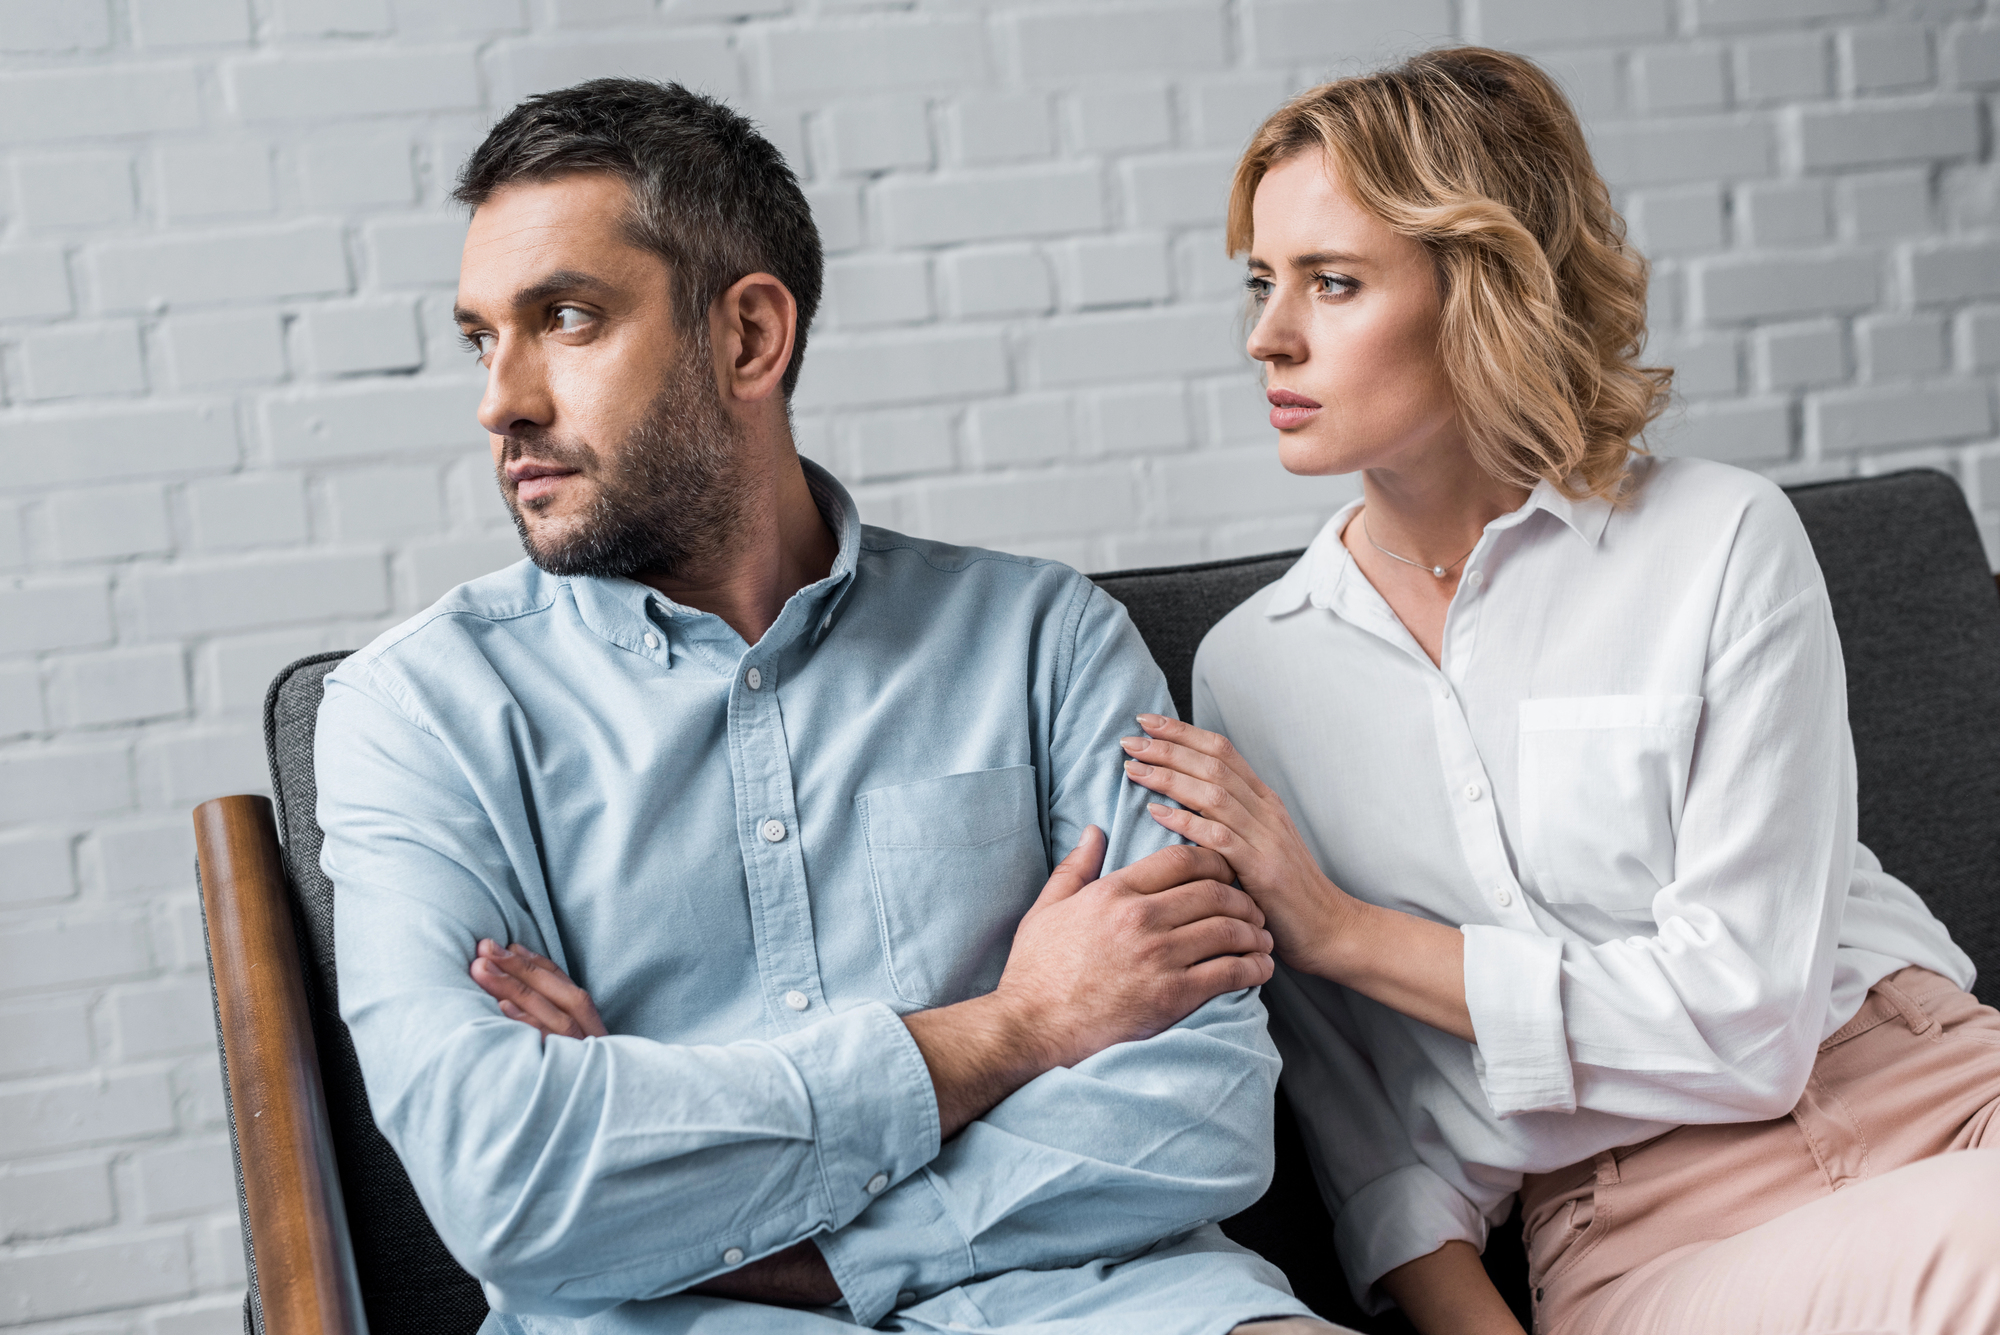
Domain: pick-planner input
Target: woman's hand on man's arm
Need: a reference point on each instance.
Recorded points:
(1448, 1293)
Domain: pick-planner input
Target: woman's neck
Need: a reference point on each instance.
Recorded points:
(1433, 516)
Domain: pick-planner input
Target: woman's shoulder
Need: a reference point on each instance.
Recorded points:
(1702, 503)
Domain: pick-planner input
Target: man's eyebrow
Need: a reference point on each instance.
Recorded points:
(559, 283)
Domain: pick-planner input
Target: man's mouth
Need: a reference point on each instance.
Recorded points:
(536, 481)
(1290, 410)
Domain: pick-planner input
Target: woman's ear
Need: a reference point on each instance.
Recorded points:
(753, 325)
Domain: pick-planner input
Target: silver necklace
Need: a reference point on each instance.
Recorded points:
(1439, 571)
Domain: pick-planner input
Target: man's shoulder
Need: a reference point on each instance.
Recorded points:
(900, 557)
(508, 594)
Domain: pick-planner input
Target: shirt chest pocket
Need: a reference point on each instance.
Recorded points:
(955, 861)
(1602, 782)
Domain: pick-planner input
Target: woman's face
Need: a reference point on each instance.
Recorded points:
(1347, 327)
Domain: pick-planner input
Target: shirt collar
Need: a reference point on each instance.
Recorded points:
(1317, 575)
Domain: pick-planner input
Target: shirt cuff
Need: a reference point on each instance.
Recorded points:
(902, 1248)
(1398, 1217)
(1513, 988)
(875, 1117)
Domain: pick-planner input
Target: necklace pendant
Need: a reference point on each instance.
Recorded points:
(1438, 571)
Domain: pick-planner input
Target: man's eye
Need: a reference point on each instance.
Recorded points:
(479, 345)
(570, 320)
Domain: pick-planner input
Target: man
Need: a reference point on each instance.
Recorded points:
(777, 790)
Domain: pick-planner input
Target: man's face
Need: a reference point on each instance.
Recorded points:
(610, 441)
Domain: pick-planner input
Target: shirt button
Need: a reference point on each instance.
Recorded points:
(652, 640)
(906, 1297)
(774, 831)
(876, 1183)
(1503, 896)
(1473, 792)
(797, 1000)
(734, 1256)
(754, 679)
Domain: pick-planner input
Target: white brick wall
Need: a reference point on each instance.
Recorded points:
(235, 428)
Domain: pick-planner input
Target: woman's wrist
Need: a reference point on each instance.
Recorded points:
(1326, 945)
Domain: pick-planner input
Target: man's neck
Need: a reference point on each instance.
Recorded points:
(783, 545)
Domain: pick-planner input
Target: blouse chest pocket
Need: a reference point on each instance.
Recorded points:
(956, 861)
(1602, 782)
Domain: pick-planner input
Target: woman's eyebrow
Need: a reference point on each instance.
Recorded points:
(1319, 257)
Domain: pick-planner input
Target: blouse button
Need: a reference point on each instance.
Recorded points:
(1473, 792)
(1476, 578)
(1503, 897)
(734, 1256)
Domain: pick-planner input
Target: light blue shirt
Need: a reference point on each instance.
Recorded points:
(756, 858)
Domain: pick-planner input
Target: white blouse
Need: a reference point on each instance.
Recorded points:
(1631, 783)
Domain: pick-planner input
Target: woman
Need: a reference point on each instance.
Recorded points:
(1541, 773)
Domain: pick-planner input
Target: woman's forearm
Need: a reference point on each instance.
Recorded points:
(1407, 963)
(1448, 1293)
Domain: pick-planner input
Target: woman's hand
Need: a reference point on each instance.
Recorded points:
(531, 989)
(1230, 810)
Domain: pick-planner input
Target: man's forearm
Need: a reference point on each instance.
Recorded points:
(795, 1277)
(978, 1053)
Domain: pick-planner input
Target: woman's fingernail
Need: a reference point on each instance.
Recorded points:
(1150, 721)
(1133, 767)
(1133, 744)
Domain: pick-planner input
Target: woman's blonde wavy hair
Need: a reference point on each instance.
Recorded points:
(1477, 155)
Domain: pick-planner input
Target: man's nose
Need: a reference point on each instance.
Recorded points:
(517, 397)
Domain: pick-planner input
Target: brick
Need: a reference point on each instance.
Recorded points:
(877, 133)
(1750, 432)
(987, 128)
(33, 25)
(1122, 270)
(702, 61)
(1955, 271)
(189, 768)
(43, 1037)
(1979, 337)
(297, 260)
(216, 1244)
(75, 190)
(360, 169)
(206, 1316)
(1510, 23)
(1973, 56)
(1204, 270)
(373, 418)
(1842, 421)
(119, 686)
(75, 1278)
(162, 1019)
(1875, 60)
(1770, 13)
(1234, 409)
(385, 503)
(20, 700)
(1138, 419)
(55, 450)
(1012, 507)
(416, 252)
(70, 361)
(40, 868)
(1782, 68)
(1899, 347)
(97, 101)
(1878, 205)
(34, 281)
(1007, 280)
(1026, 429)
(332, 18)
(225, 348)
(238, 670)
(1186, 340)
(897, 368)
(1784, 213)
(1286, 32)
(1243, 481)
(439, 565)
(1271, 534)
(139, 857)
(107, 522)
(1075, 43)
(1118, 120)
(215, 180)
(341, 84)
(251, 510)
(186, 1179)
(836, 209)
(274, 590)
(1179, 191)
(190, 22)
(873, 57)
(53, 614)
(44, 1200)
(1773, 286)
(1871, 135)
(360, 336)
(1594, 81)
(865, 290)
(1704, 366)
(1680, 78)
(13, 539)
(898, 443)
(1682, 220)
(991, 205)
(1224, 111)
(1801, 356)
(69, 953)
(1692, 149)
(450, 18)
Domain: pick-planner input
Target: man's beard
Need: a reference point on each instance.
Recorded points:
(669, 503)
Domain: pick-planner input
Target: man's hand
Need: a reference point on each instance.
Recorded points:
(1096, 961)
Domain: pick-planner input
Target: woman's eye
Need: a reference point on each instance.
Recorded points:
(570, 320)
(1333, 285)
(1258, 288)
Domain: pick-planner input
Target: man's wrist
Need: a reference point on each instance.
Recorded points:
(978, 1052)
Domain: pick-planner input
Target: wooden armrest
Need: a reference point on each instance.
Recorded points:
(306, 1281)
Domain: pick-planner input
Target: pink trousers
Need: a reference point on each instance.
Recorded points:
(1873, 1207)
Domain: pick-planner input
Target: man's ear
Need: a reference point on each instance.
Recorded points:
(753, 326)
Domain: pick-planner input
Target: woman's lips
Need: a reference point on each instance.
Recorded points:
(1290, 410)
